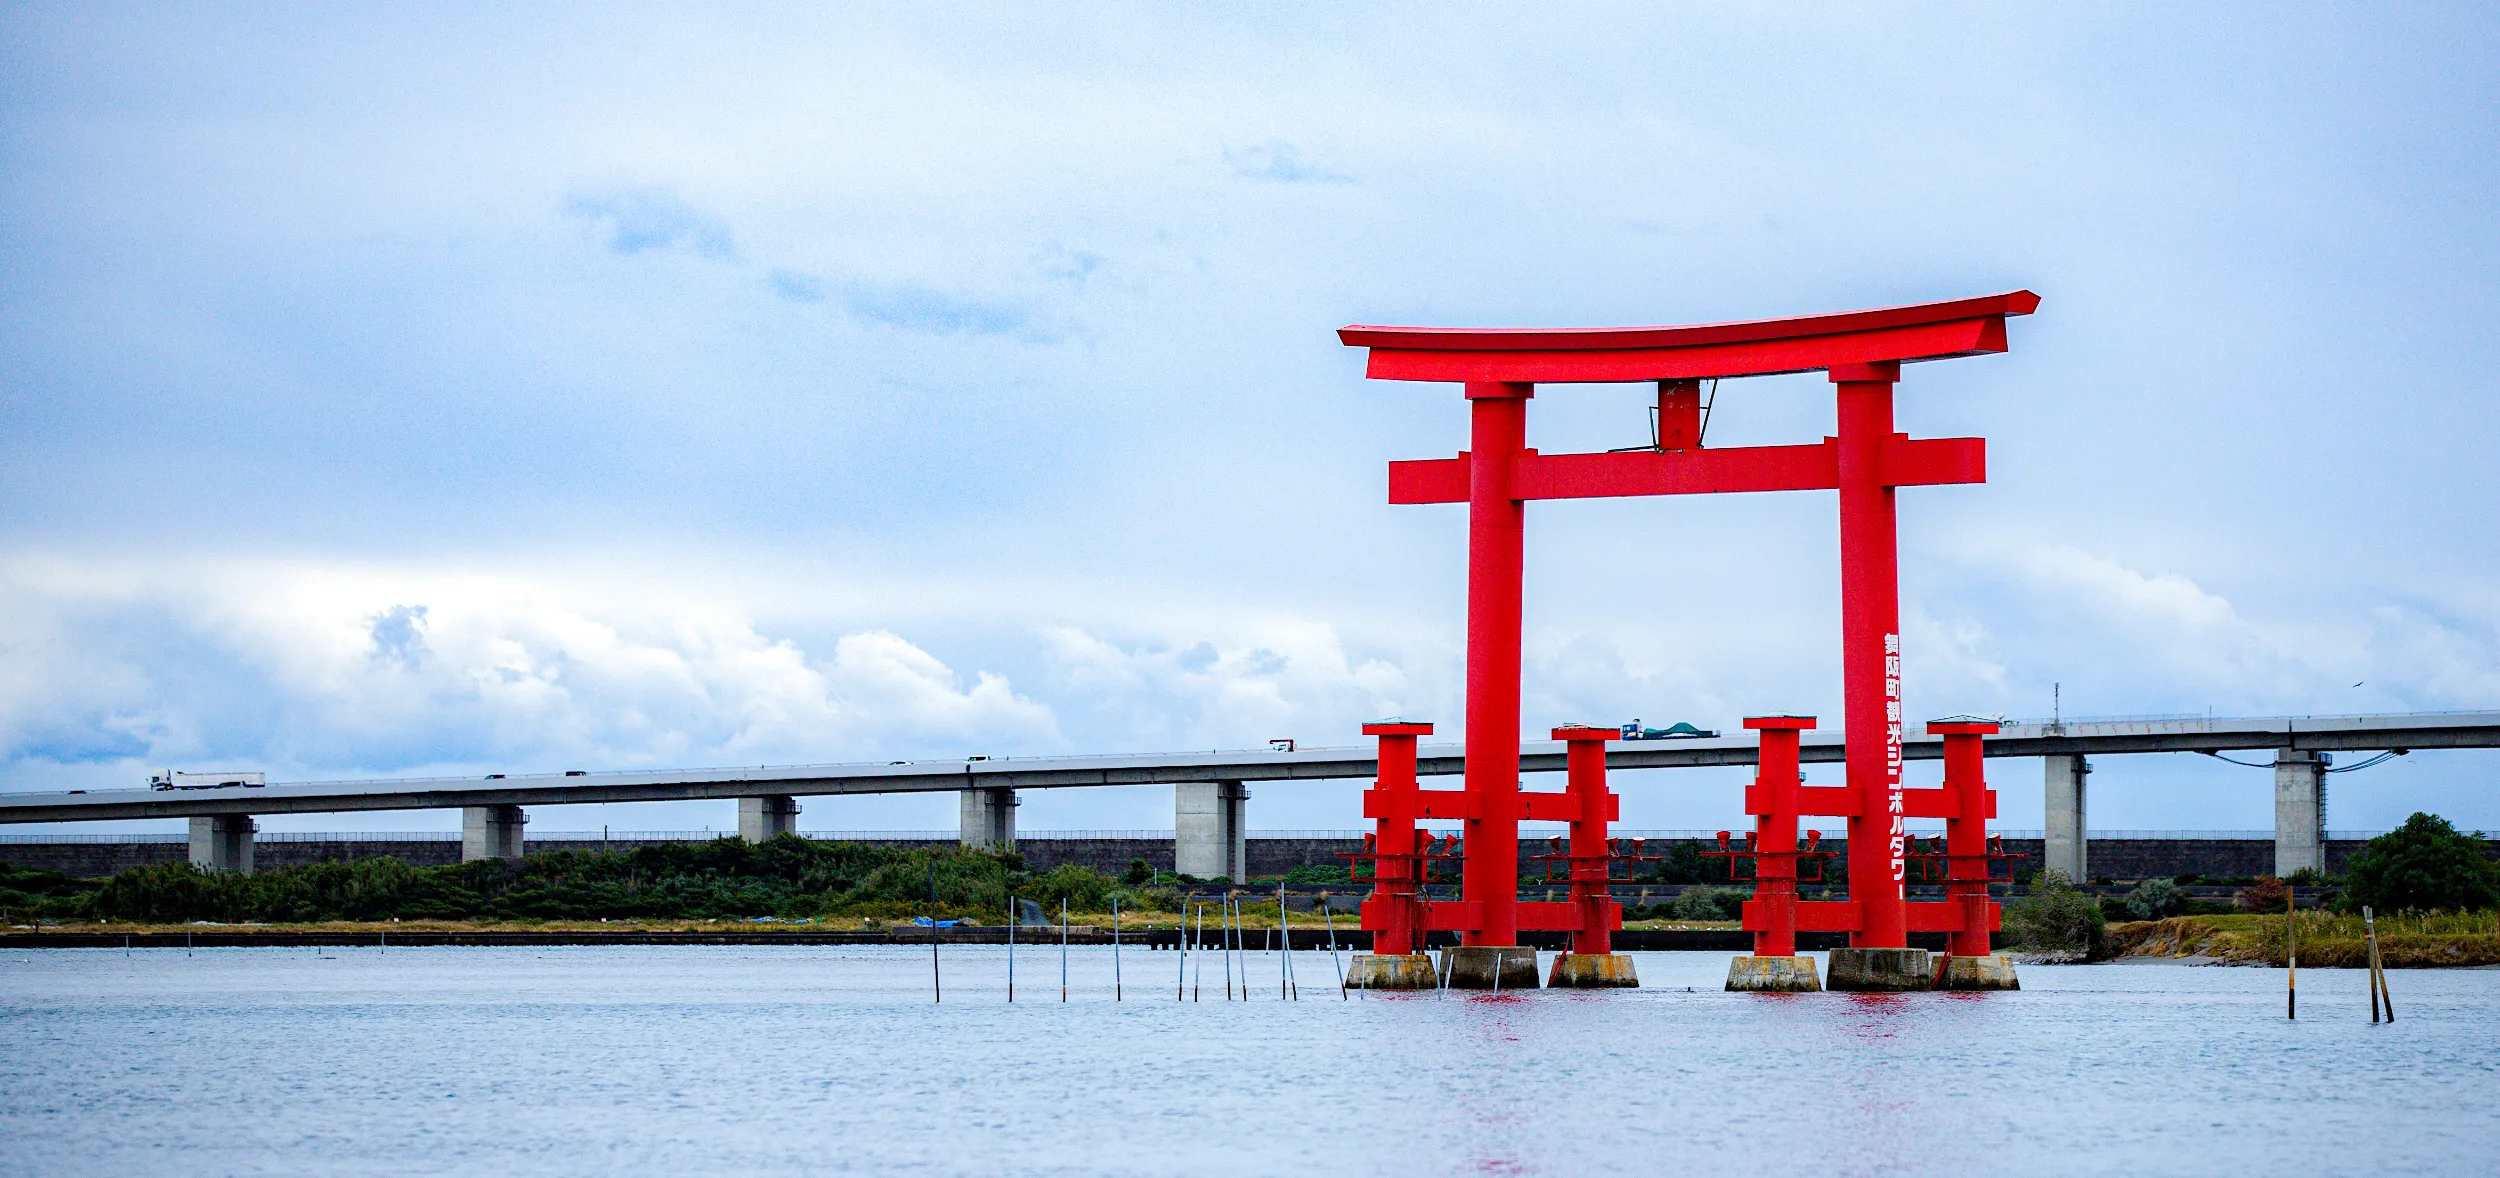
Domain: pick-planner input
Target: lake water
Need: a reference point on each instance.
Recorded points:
(787, 1060)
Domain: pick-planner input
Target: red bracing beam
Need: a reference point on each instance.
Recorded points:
(1904, 462)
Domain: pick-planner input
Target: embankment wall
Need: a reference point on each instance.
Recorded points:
(2120, 860)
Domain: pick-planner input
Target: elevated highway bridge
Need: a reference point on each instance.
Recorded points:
(1210, 789)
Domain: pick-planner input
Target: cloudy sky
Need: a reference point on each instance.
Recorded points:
(393, 390)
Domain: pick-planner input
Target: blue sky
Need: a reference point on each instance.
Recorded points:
(410, 389)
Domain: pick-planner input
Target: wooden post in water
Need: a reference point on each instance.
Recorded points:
(1115, 949)
(1013, 919)
(2291, 955)
(1202, 949)
(937, 986)
(1063, 948)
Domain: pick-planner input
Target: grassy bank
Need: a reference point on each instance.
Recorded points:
(2327, 940)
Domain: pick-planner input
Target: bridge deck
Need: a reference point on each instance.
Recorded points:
(2019, 739)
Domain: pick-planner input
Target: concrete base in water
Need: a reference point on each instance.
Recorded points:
(1773, 975)
(1471, 967)
(1995, 972)
(1392, 971)
(1591, 971)
(1880, 970)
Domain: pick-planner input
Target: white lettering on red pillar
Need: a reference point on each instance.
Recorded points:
(1892, 749)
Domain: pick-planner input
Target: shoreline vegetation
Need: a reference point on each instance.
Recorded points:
(2328, 940)
(788, 882)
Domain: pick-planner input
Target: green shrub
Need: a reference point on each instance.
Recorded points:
(1318, 875)
(1708, 903)
(2055, 918)
(2423, 866)
(2154, 899)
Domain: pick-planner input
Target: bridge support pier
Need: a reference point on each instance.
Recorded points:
(2063, 816)
(491, 832)
(222, 842)
(988, 819)
(1208, 838)
(2299, 811)
(761, 820)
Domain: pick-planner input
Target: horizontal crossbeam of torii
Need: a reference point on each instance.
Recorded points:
(1862, 352)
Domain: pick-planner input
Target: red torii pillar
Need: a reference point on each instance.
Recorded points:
(1862, 352)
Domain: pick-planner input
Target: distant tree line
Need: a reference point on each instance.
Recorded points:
(788, 877)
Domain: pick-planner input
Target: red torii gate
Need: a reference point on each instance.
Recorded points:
(1862, 351)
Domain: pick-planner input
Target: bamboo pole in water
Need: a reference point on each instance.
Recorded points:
(2378, 971)
(1224, 932)
(2291, 955)
(1333, 963)
(1202, 952)
(1284, 960)
(1063, 948)
(937, 987)
(1115, 949)
(1014, 918)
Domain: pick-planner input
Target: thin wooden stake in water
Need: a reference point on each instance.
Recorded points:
(2291, 956)
(937, 986)
(1284, 960)
(1180, 985)
(1331, 918)
(2378, 971)
(1014, 918)
(1224, 932)
(1195, 978)
(1115, 949)
(1063, 948)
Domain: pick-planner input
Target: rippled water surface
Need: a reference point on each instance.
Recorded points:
(773, 1060)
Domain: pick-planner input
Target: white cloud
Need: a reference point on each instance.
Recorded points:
(1255, 680)
(279, 664)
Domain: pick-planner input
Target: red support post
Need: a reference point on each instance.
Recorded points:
(1870, 653)
(1393, 912)
(1591, 857)
(1774, 800)
(1966, 833)
(1498, 433)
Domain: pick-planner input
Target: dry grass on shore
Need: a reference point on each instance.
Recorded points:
(2326, 939)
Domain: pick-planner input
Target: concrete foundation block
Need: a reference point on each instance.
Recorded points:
(1489, 967)
(1880, 970)
(1994, 972)
(1591, 971)
(1773, 975)
(1392, 971)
